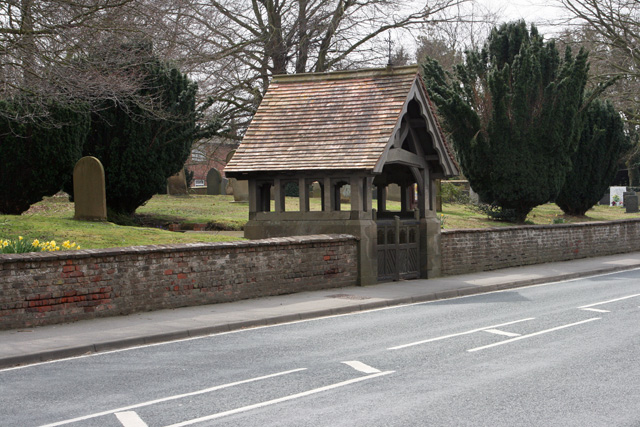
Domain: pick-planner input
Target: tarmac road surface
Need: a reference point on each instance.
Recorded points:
(563, 354)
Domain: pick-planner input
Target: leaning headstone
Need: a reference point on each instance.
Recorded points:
(631, 203)
(177, 184)
(89, 194)
(214, 182)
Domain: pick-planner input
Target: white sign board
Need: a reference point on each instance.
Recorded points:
(619, 192)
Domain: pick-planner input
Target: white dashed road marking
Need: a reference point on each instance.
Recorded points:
(533, 335)
(499, 332)
(458, 334)
(130, 419)
(597, 310)
(279, 400)
(169, 398)
(589, 307)
(359, 366)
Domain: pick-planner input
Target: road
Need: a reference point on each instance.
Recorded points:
(562, 354)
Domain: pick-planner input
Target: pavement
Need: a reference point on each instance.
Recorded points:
(33, 345)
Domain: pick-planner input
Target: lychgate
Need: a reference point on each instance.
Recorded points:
(354, 137)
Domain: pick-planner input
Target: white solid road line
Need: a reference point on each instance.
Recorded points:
(279, 400)
(458, 334)
(607, 302)
(359, 366)
(130, 419)
(166, 399)
(533, 335)
(499, 332)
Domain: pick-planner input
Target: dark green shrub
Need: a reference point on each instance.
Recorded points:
(38, 155)
(497, 213)
(291, 189)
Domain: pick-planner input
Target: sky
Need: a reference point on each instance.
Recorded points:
(540, 12)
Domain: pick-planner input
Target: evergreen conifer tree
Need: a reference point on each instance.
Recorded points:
(140, 147)
(595, 162)
(38, 155)
(512, 113)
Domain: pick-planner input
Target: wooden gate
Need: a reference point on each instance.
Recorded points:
(398, 249)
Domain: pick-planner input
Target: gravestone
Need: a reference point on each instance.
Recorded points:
(89, 194)
(240, 190)
(394, 193)
(616, 196)
(631, 202)
(177, 184)
(316, 190)
(214, 182)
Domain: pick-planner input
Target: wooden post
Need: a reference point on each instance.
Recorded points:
(303, 194)
(356, 183)
(253, 196)
(404, 200)
(366, 194)
(382, 199)
(278, 195)
(327, 195)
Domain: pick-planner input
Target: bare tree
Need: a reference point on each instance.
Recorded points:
(611, 32)
(61, 48)
(233, 47)
(447, 41)
(64, 50)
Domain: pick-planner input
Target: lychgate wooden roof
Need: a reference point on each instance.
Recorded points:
(327, 121)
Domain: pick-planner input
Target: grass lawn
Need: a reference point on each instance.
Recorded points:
(464, 216)
(52, 219)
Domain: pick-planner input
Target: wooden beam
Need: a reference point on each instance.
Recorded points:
(404, 157)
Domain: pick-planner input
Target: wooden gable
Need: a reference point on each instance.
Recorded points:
(334, 121)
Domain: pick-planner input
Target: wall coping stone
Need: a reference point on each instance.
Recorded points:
(539, 226)
(180, 247)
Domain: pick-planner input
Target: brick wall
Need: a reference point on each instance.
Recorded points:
(466, 251)
(55, 287)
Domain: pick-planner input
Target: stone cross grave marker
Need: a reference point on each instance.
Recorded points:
(89, 192)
